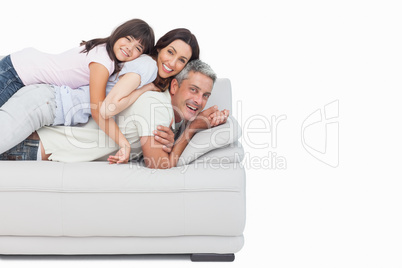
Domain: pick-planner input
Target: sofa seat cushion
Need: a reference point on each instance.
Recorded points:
(98, 199)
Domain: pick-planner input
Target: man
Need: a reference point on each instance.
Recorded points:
(182, 104)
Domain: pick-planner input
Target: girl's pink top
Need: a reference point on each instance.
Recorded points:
(70, 68)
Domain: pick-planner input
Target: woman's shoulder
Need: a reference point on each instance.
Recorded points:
(141, 60)
(142, 65)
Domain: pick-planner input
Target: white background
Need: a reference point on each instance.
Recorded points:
(284, 58)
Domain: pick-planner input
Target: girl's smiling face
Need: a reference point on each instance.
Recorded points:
(173, 58)
(127, 49)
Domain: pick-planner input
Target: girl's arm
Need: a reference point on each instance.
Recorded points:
(98, 78)
(123, 94)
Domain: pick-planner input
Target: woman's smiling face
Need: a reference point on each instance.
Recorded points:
(173, 58)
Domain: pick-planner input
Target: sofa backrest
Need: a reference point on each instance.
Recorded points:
(221, 95)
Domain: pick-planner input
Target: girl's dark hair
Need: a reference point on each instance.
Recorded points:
(136, 28)
(177, 34)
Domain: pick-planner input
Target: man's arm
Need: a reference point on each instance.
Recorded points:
(156, 157)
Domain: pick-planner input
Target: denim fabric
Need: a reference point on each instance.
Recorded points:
(26, 150)
(10, 82)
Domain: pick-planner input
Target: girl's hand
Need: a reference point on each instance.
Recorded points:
(165, 136)
(151, 87)
(121, 157)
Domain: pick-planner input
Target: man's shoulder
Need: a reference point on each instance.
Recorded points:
(154, 97)
(146, 100)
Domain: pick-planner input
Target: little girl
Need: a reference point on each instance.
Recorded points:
(73, 67)
(91, 64)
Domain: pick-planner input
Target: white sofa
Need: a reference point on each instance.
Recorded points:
(91, 208)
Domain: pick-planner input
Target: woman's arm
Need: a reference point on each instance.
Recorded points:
(98, 78)
(123, 94)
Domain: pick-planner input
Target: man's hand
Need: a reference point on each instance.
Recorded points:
(164, 135)
(208, 118)
(218, 118)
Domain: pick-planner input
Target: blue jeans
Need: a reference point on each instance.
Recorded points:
(10, 82)
(26, 150)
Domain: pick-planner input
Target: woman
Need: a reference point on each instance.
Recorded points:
(171, 53)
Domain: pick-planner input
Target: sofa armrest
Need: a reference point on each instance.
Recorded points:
(232, 153)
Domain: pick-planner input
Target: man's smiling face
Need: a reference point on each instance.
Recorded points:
(190, 98)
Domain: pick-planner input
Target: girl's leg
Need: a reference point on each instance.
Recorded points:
(31, 108)
(9, 80)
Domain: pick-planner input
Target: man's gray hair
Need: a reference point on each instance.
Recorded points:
(196, 66)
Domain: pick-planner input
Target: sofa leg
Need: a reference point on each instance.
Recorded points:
(204, 257)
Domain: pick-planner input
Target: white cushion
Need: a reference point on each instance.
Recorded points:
(210, 139)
